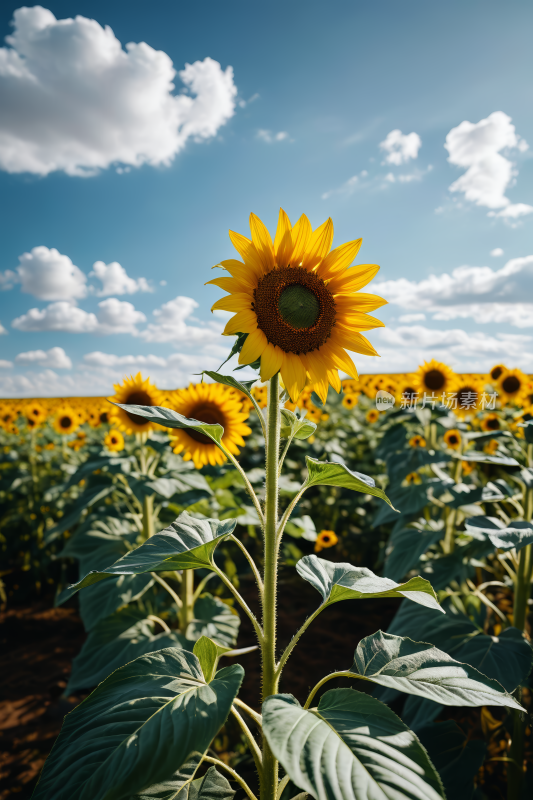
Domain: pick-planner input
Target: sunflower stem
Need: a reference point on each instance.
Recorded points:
(186, 612)
(269, 783)
(148, 516)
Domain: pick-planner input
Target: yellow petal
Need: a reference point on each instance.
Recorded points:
(319, 245)
(283, 244)
(262, 243)
(253, 347)
(301, 233)
(242, 322)
(360, 301)
(357, 322)
(339, 259)
(340, 358)
(355, 342)
(317, 372)
(293, 375)
(239, 271)
(353, 279)
(229, 284)
(271, 361)
(234, 302)
(248, 253)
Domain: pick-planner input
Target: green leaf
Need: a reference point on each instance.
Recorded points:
(208, 653)
(484, 458)
(517, 535)
(301, 528)
(213, 786)
(113, 642)
(187, 543)
(407, 500)
(215, 619)
(421, 669)
(171, 419)
(138, 729)
(456, 758)
(337, 582)
(351, 746)
(407, 544)
(329, 473)
(297, 427)
(226, 380)
(91, 495)
(528, 430)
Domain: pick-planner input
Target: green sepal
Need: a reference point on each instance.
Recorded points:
(208, 653)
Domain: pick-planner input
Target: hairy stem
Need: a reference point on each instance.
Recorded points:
(295, 639)
(241, 601)
(251, 562)
(186, 614)
(252, 743)
(269, 784)
(248, 485)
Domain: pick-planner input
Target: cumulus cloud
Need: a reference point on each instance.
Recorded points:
(55, 358)
(2, 330)
(74, 100)
(171, 325)
(49, 275)
(478, 147)
(5, 364)
(114, 316)
(8, 278)
(400, 147)
(481, 293)
(115, 280)
(270, 138)
(99, 359)
(496, 252)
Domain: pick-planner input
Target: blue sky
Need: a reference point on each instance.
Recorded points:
(99, 163)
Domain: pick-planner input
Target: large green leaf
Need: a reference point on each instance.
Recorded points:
(506, 537)
(351, 746)
(340, 581)
(188, 543)
(421, 669)
(227, 380)
(171, 419)
(329, 473)
(92, 494)
(113, 463)
(407, 544)
(138, 729)
(407, 500)
(212, 786)
(456, 758)
(113, 642)
(214, 619)
(484, 458)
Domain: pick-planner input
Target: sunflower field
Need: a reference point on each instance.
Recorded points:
(85, 481)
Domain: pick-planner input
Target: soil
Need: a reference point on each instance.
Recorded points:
(38, 644)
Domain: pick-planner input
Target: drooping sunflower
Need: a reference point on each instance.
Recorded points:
(138, 392)
(298, 303)
(512, 386)
(469, 394)
(114, 441)
(434, 377)
(452, 439)
(35, 413)
(66, 420)
(213, 403)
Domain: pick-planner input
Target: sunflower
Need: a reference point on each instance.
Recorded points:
(79, 441)
(350, 400)
(350, 387)
(407, 393)
(372, 416)
(114, 441)
(452, 439)
(7, 416)
(496, 371)
(93, 416)
(298, 303)
(469, 394)
(417, 441)
(491, 422)
(138, 392)
(213, 403)
(468, 467)
(66, 420)
(325, 539)
(512, 386)
(260, 394)
(434, 377)
(413, 478)
(491, 447)
(35, 413)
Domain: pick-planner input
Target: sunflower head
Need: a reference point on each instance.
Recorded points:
(114, 441)
(66, 420)
(434, 377)
(350, 387)
(496, 371)
(413, 478)
(213, 403)
(325, 539)
(452, 439)
(138, 392)
(512, 386)
(372, 416)
(491, 422)
(469, 393)
(349, 401)
(94, 415)
(35, 413)
(491, 447)
(417, 441)
(297, 303)
(468, 467)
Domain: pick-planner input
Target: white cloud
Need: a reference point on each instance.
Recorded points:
(400, 147)
(5, 364)
(480, 293)
(496, 252)
(74, 100)
(98, 359)
(48, 275)
(270, 138)
(403, 348)
(115, 280)
(8, 279)
(406, 318)
(2, 330)
(55, 358)
(478, 148)
(171, 325)
(114, 316)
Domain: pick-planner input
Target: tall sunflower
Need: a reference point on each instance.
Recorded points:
(434, 377)
(512, 386)
(213, 403)
(138, 392)
(298, 304)
(66, 420)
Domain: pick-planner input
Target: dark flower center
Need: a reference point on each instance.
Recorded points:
(511, 384)
(496, 372)
(434, 380)
(138, 398)
(492, 424)
(65, 422)
(205, 413)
